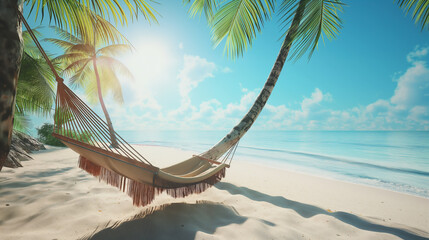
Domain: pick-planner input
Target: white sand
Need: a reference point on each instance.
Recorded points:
(51, 198)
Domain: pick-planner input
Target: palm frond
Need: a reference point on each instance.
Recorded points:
(105, 31)
(116, 65)
(79, 18)
(26, 37)
(59, 43)
(82, 76)
(111, 85)
(91, 91)
(21, 123)
(320, 20)
(84, 48)
(63, 34)
(76, 66)
(29, 46)
(115, 50)
(117, 11)
(69, 58)
(420, 12)
(79, 57)
(198, 6)
(35, 90)
(238, 21)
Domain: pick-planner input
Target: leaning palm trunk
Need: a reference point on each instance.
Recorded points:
(243, 126)
(103, 106)
(10, 61)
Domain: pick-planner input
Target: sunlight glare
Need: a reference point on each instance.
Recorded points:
(150, 63)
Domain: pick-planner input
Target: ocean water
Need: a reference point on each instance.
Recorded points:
(397, 161)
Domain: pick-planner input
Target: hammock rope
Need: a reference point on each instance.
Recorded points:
(122, 166)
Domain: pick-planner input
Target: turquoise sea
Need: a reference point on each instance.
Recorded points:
(397, 161)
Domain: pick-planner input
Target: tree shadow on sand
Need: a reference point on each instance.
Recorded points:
(172, 221)
(307, 211)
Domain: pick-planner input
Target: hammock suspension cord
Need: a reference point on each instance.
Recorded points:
(82, 130)
(75, 120)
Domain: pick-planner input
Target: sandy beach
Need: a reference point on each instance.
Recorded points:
(51, 198)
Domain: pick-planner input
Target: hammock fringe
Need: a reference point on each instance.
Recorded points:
(143, 194)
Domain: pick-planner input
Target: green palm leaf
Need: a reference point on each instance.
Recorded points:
(70, 57)
(238, 21)
(198, 6)
(69, 38)
(35, 92)
(59, 43)
(420, 12)
(80, 18)
(82, 76)
(106, 33)
(78, 60)
(83, 48)
(110, 80)
(35, 89)
(114, 50)
(320, 20)
(74, 66)
(107, 62)
(110, 86)
(29, 46)
(21, 122)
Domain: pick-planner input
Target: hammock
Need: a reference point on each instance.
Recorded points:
(83, 131)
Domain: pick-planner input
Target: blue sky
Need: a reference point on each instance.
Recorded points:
(374, 76)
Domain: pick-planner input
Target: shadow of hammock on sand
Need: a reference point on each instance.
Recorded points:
(171, 221)
(307, 211)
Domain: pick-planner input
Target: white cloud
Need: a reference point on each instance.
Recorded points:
(195, 70)
(212, 114)
(413, 87)
(407, 108)
(309, 115)
(245, 102)
(379, 106)
(311, 105)
(180, 45)
(418, 52)
(419, 114)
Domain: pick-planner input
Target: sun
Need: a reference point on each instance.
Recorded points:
(150, 62)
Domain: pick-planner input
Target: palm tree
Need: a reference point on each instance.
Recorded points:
(84, 60)
(35, 91)
(75, 15)
(238, 21)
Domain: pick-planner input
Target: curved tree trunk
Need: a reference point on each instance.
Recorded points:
(10, 61)
(103, 106)
(243, 126)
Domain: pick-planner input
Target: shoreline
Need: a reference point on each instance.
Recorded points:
(50, 197)
(284, 168)
(285, 165)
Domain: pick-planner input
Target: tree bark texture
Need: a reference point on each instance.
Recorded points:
(243, 126)
(103, 106)
(10, 61)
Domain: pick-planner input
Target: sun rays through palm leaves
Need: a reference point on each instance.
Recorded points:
(93, 67)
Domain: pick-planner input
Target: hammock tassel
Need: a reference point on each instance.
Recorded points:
(143, 194)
